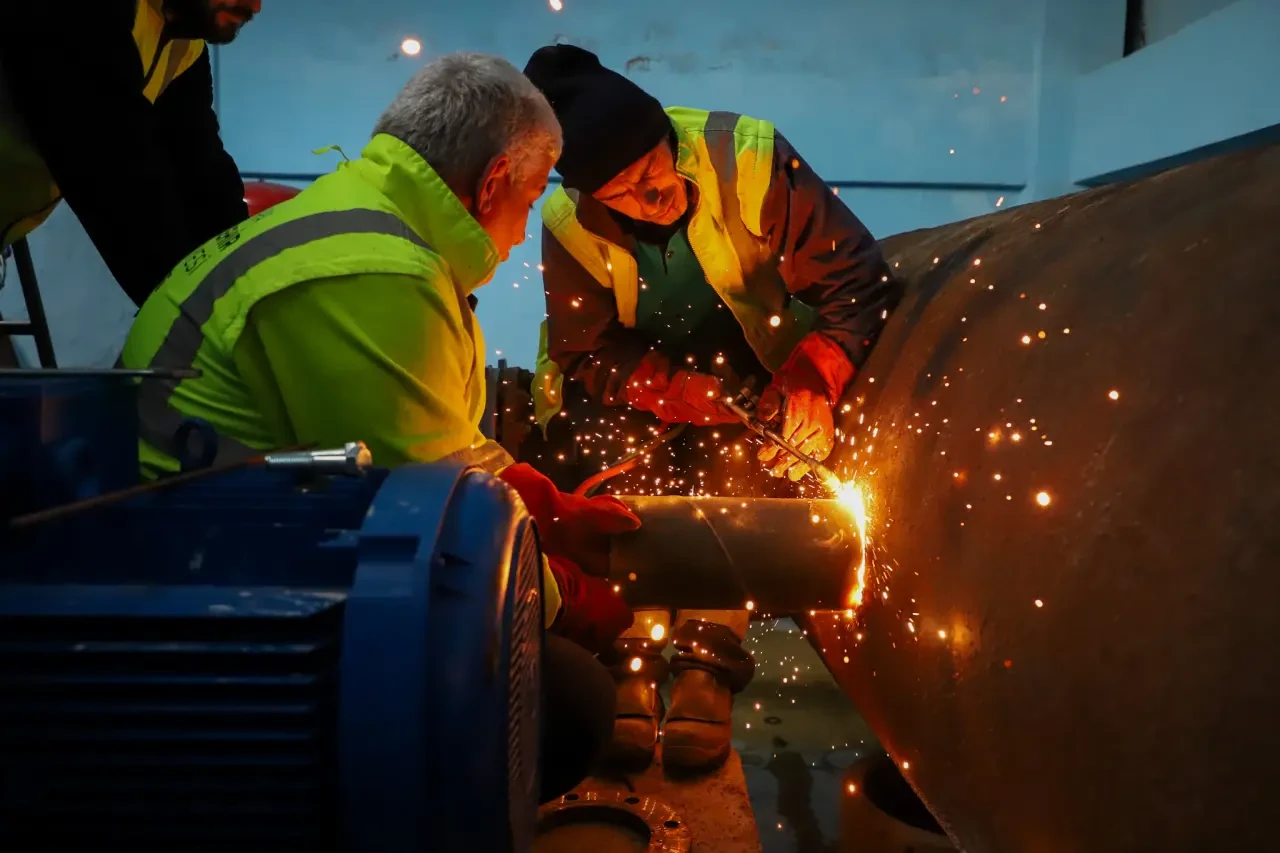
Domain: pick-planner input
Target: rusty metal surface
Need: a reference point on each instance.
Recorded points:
(1097, 673)
(879, 813)
(720, 553)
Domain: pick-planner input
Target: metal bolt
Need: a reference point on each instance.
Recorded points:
(349, 460)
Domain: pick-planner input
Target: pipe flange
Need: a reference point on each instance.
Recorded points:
(667, 832)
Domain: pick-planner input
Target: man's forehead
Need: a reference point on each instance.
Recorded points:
(632, 173)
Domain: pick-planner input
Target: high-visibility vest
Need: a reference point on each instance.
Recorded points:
(29, 192)
(342, 225)
(729, 157)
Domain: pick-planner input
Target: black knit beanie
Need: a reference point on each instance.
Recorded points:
(608, 121)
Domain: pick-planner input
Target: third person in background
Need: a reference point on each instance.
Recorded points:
(109, 104)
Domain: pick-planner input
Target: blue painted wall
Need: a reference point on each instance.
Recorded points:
(1204, 84)
(920, 111)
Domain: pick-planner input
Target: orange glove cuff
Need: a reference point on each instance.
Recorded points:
(817, 364)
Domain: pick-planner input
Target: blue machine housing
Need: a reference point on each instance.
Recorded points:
(257, 660)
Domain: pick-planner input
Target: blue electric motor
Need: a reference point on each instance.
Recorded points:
(266, 659)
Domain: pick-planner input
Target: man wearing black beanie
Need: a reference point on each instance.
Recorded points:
(686, 253)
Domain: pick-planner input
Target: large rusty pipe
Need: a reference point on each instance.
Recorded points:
(782, 556)
(1070, 433)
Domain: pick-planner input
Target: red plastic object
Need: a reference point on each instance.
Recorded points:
(260, 195)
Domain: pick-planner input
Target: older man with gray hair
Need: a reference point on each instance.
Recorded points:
(344, 314)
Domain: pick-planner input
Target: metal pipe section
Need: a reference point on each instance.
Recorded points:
(1068, 434)
(771, 554)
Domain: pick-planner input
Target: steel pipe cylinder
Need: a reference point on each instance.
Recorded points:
(779, 555)
(1068, 438)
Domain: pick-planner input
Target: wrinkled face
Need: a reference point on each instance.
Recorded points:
(649, 190)
(504, 199)
(215, 21)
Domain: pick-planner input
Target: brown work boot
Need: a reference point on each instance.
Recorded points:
(710, 666)
(638, 670)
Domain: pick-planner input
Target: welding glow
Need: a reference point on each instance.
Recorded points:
(851, 496)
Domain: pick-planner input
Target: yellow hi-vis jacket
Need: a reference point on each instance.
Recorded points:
(28, 193)
(729, 157)
(338, 315)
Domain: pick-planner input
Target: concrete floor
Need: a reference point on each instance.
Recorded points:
(796, 733)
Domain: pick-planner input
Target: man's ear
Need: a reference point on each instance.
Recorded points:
(496, 176)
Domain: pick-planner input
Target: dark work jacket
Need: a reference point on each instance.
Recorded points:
(149, 182)
(828, 260)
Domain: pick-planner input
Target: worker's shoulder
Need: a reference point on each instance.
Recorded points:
(386, 299)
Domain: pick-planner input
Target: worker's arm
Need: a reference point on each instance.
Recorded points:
(830, 261)
(75, 79)
(584, 335)
(212, 191)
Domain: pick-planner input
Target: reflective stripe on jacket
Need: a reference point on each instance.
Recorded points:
(548, 384)
(30, 193)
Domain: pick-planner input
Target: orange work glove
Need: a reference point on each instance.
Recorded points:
(802, 393)
(591, 613)
(571, 526)
(685, 396)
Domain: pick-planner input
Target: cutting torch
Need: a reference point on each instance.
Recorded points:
(744, 406)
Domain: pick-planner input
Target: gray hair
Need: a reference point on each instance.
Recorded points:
(462, 110)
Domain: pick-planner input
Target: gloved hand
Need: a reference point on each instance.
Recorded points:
(802, 393)
(591, 613)
(570, 526)
(685, 396)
